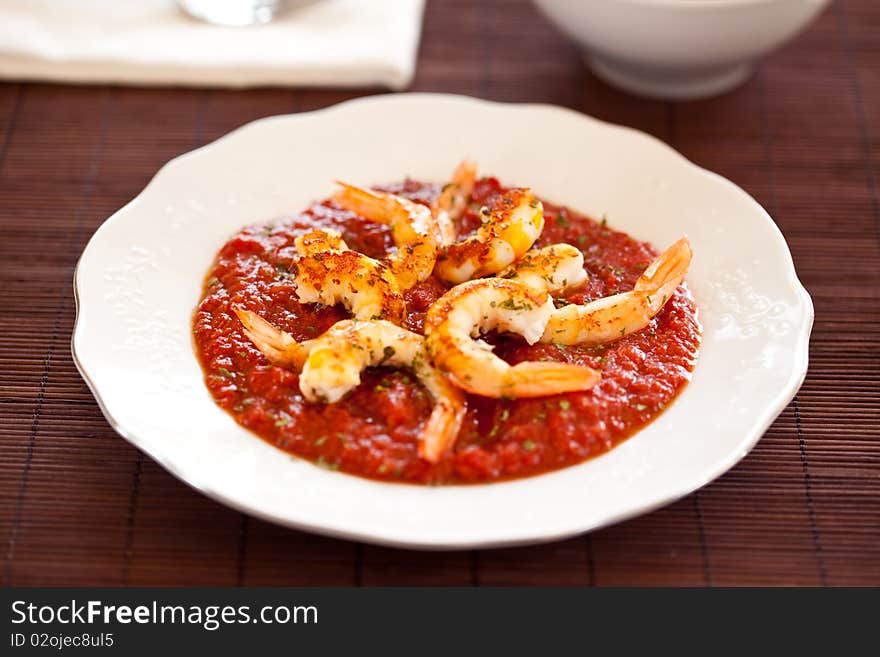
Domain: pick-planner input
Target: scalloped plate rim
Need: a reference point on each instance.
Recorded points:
(537, 533)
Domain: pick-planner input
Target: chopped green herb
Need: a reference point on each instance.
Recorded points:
(213, 281)
(528, 445)
(327, 465)
(510, 304)
(640, 407)
(387, 352)
(505, 414)
(320, 440)
(564, 404)
(661, 406)
(238, 408)
(562, 220)
(224, 372)
(623, 330)
(581, 240)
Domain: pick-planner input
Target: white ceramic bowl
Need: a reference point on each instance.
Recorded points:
(678, 49)
(141, 274)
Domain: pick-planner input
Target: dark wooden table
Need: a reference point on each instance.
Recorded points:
(79, 505)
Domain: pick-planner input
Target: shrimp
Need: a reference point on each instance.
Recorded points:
(320, 240)
(338, 357)
(278, 346)
(610, 318)
(489, 303)
(452, 201)
(550, 269)
(414, 230)
(509, 229)
(363, 285)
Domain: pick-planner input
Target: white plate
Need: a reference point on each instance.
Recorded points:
(140, 277)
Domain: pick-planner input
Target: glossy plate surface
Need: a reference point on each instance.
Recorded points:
(139, 280)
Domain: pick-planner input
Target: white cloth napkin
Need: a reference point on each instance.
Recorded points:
(340, 43)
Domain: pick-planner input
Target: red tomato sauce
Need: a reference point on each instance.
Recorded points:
(373, 431)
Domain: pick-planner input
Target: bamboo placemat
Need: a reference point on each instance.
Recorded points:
(79, 505)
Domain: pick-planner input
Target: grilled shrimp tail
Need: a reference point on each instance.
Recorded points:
(442, 427)
(453, 199)
(666, 272)
(541, 378)
(277, 345)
